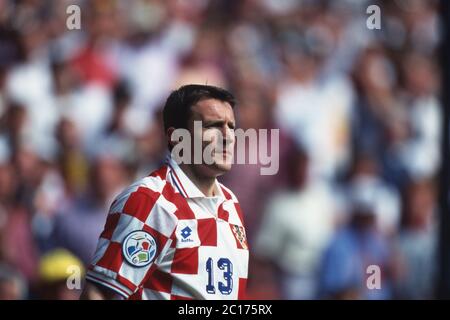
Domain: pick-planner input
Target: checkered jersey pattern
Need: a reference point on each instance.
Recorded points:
(201, 248)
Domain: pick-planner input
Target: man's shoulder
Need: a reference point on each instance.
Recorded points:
(154, 182)
(150, 186)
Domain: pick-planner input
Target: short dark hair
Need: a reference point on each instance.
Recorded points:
(178, 105)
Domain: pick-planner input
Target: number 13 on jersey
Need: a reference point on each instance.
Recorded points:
(227, 267)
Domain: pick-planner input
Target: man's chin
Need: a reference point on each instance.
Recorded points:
(218, 169)
(225, 167)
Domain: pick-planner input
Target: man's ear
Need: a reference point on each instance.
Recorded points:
(171, 143)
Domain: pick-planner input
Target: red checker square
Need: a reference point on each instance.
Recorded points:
(185, 261)
(242, 295)
(110, 225)
(140, 203)
(226, 194)
(222, 213)
(207, 232)
(112, 258)
(159, 281)
(183, 211)
(161, 173)
(239, 212)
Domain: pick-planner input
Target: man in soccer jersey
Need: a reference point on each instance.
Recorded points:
(178, 233)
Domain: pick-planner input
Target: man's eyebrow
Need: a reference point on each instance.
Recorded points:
(216, 122)
(211, 122)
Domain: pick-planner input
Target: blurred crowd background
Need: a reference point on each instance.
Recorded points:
(357, 109)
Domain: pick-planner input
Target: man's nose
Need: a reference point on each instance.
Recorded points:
(227, 134)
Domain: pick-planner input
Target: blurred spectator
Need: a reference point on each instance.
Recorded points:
(355, 247)
(72, 161)
(424, 117)
(315, 109)
(78, 226)
(60, 276)
(296, 227)
(17, 246)
(375, 103)
(365, 185)
(417, 243)
(12, 285)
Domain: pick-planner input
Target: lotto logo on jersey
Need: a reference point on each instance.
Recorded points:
(186, 233)
(139, 248)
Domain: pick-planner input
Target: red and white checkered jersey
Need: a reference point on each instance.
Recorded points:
(164, 239)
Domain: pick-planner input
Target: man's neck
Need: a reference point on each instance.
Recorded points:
(207, 185)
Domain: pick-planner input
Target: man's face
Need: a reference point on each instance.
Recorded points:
(217, 130)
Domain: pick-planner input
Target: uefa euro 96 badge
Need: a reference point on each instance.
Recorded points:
(139, 248)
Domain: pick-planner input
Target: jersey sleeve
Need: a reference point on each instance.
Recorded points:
(137, 232)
